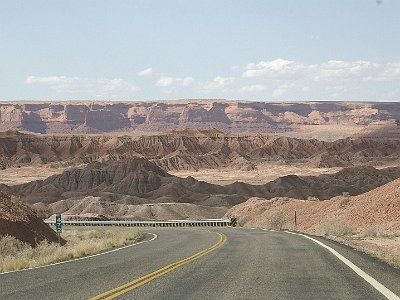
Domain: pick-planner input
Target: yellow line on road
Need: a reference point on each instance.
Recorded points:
(118, 291)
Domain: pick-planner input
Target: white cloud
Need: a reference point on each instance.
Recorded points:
(323, 78)
(187, 81)
(96, 87)
(166, 81)
(281, 90)
(252, 88)
(281, 69)
(264, 67)
(219, 83)
(146, 72)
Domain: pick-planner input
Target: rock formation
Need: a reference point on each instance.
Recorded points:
(144, 182)
(195, 149)
(229, 116)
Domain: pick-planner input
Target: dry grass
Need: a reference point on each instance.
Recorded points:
(337, 227)
(15, 255)
(373, 232)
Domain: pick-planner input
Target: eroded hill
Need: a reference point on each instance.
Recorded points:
(194, 150)
(126, 187)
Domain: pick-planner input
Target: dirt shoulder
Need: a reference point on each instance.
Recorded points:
(384, 248)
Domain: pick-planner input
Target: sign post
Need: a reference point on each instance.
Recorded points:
(295, 220)
(58, 225)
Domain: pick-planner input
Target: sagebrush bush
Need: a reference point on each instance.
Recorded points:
(277, 219)
(371, 231)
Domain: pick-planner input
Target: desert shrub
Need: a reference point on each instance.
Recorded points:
(371, 231)
(277, 219)
(345, 199)
(278, 202)
(337, 227)
(375, 232)
(10, 245)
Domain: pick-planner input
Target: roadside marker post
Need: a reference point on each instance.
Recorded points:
(295, 220)
(58, 225)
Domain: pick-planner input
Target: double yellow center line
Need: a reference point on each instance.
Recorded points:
(118, 291)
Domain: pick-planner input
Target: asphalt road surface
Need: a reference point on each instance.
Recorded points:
(217, 263)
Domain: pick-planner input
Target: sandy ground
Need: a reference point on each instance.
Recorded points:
(223, 176)
(264, 173)
(13, 176)
(328, 132)
(385, 248)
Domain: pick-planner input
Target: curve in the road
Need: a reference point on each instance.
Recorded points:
(372, 281)
(118, 291)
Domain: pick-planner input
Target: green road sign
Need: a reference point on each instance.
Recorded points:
(58, 223)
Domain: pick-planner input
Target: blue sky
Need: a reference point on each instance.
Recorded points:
(255, 50)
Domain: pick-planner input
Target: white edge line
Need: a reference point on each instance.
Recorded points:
(85, 257)
(376, 284)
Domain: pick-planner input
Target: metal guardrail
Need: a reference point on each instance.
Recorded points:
(169, 223)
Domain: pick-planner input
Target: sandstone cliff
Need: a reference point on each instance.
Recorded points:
(236, 116)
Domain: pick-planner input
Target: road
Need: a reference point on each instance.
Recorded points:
(217, 263)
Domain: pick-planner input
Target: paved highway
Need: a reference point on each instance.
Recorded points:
(217, 263)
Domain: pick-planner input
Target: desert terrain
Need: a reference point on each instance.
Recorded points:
(308, 119)
(336, 163)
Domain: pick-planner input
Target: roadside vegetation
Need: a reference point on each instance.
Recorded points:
(16, 255)
(337, 227)
(377, 242)
(373, 240)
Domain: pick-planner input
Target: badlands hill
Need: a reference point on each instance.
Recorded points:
(103, 208)
(388, 130)
(194, 150)
(378, 208)
(127, 184)
(18, 220)
(229, 116)
(138, 178)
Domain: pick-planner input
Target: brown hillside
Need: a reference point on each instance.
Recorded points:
(17, 220)
(378, 208)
